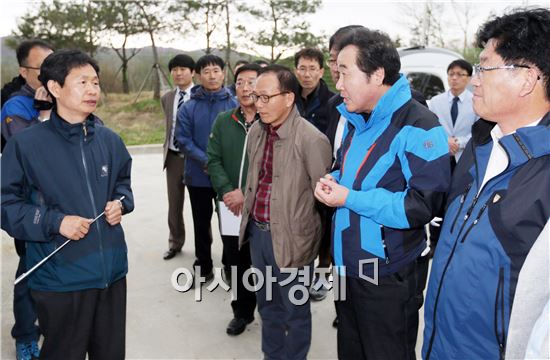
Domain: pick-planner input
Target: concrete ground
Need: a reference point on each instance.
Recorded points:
(163, 323)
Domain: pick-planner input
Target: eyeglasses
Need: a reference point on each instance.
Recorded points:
(479, 70)
(331, 62)
(30, 67)
(453, 74)
(243, 83)
(303, 70)
(265, 98)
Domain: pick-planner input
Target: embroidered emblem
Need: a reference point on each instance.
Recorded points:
(36, 219)
(428, 144)
(104, 170)
(496, 198)
(8, 120)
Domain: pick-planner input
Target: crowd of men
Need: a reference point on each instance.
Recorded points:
(348, 180)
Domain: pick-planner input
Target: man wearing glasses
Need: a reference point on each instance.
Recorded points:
(19, 113)
(454, 108)
(314, 92)
(499, 202)
(227, 167)
(287, 154)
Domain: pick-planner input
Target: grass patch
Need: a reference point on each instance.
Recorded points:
(136, 123)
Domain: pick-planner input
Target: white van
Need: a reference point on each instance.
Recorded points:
(426, 68)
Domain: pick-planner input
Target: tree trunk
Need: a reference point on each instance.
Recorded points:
(156, 79)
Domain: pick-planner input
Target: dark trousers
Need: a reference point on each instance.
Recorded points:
(90, 321)
(202, 208)
(176, 197)
(286, 327)
(243, 307)
(24, 330)
(376, 321)
(435, 231)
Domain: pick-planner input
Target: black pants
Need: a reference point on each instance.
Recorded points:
(244, 305)
(24, 329)
(202, 208)
(376, 321)
(89, 321)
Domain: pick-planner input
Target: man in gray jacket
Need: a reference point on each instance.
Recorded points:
(281, 218)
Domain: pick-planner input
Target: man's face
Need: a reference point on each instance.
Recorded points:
(458, 79)
(182, 76)
(357, 90)
(332, 63)
(31, 67)
(246, 81)
(276, 110)
(495, 92)
(79, 95)
(211, 77)
(309, 72)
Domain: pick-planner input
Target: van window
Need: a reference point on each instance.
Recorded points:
(428, 84)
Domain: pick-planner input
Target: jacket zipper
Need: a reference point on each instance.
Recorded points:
(83, 139)
(462, 199)
(474, 223)
(501, 339)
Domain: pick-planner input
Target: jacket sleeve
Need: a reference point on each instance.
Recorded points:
(426, 168)
(21, 217)
(123, 181)
(319, 157)
(185, 131)
(218, 176)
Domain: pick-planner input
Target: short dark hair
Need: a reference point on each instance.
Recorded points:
(248, 67)
(522, 36)
(309, 53)
(336, 38)
(261, 62)
(59, 64)
(25, 48)
(287, 80)
(375, 51)
(241, 62)
(181, 60)
(207, 60)
(463, 64)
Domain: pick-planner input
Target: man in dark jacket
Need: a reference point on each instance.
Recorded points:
(194, 124)
(227, 167)
(499, 200)
(56, 177)
(314, 92)
(18, 113)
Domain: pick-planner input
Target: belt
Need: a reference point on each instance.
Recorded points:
(263, 226)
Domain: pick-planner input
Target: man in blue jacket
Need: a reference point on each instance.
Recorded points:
(56, 177)
(18, 113)
(499, 200)
(194, 124)
(393, 171)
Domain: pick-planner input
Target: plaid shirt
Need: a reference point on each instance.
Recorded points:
(260, 210)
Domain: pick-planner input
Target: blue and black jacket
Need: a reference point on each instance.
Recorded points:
(193, 127)
(18, 112)
(396, 165)
(485, 238)
(55, 169)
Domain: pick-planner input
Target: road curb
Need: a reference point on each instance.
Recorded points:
(145, 149)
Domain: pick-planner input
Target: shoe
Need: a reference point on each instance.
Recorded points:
(207, 278)
(170, 254)
(335, 323)
(227, 277)
(320, 294)
(238, 325)
(27, 351)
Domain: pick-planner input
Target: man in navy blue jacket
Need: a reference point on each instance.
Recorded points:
(194, 124)
(499, 200)
(56, 177)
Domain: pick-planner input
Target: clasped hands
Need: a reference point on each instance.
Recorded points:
(75, 227)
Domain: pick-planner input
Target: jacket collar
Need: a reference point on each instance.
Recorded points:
(72, 132)
(286, 128)
(397, 95)
(199, 92)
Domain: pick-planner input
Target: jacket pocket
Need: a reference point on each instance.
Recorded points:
(500, 332)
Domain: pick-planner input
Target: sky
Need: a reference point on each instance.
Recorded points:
(388, 16)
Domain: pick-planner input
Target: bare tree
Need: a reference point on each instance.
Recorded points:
(463, 15)
(425, 23)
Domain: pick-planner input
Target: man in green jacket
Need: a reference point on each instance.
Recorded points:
(227, 167)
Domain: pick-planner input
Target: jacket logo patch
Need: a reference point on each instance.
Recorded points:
(496, 198)
(8, 120)
(104, 170)
(36, 219)
(428, 144)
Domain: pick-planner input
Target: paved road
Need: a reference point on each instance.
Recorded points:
(163, 323)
